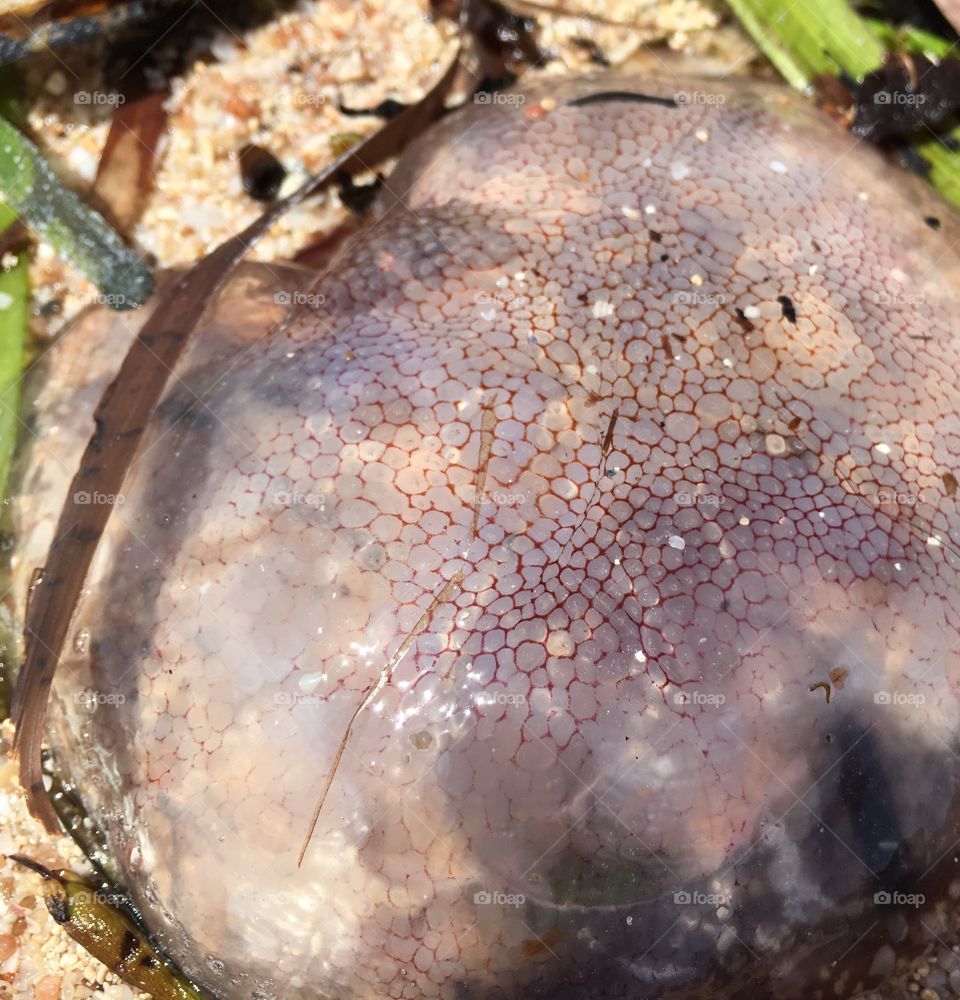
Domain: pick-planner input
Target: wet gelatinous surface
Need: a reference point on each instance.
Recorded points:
(589, 533)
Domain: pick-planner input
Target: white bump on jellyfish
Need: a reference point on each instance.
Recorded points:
(779, 168)
(559, 643)
(775, 444)
(308, 683)
(602, 308)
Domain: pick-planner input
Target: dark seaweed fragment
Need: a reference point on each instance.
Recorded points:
(905, 95)
(626, 96)
(501, 33)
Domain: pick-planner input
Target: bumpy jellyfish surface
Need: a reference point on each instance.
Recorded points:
(584, 544)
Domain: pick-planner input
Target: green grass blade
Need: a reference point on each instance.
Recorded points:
(811, 37)
(828, 36)
(14, 297)
(910, 38)
(79, 234)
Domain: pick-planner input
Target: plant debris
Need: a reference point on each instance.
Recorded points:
(81, 235)
(907, 94)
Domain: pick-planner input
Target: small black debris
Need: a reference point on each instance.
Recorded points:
(788, 308)
(261, 173)
(53, 307)
(358, 197)
(492, 84)
(385, 110)
(746, 325)
(129, 946)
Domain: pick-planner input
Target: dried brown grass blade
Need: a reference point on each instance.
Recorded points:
(121, 417)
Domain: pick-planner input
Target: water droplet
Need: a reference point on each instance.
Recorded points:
(81, 641)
